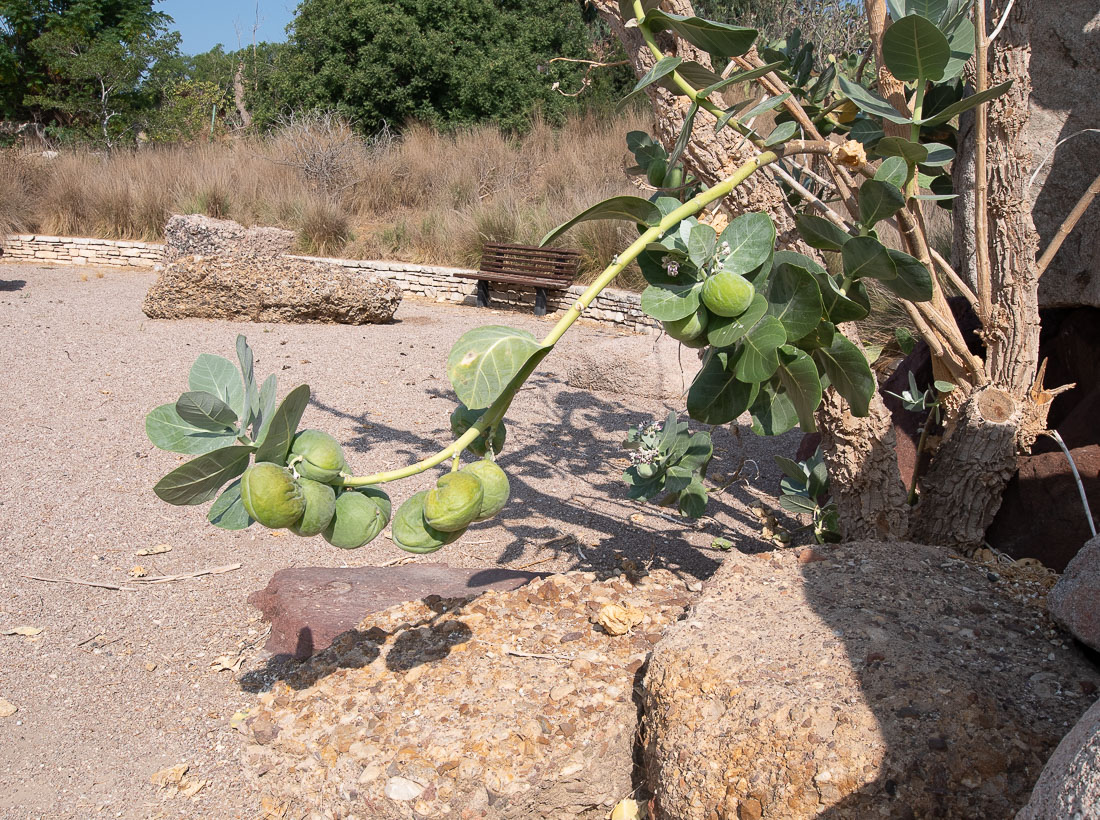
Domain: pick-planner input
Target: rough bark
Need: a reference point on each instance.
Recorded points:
(963, 489)
(238, 97)
(1013, 336)
(709, 156)
(863, 470)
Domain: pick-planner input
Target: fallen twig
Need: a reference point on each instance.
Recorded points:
(79, 581)
(536, 563)
(164, 579)
(538, 655)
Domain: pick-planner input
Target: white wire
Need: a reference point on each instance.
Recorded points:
(1055, 148)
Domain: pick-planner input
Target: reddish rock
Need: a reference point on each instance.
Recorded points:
(1074, 603)
(309, 606)
(1070, 783)
(1041, 515)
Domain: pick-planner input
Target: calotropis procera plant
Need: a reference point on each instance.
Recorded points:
(765, 319)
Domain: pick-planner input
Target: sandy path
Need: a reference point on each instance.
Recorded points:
(120, 684)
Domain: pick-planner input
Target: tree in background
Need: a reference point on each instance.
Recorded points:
(84, 68)
(833, 26)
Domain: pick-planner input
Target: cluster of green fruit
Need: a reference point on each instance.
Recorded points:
(725, 294)
(302, 498)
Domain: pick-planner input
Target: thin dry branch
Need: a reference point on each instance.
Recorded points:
(79, 581)
(1066, 228)
(164, 579)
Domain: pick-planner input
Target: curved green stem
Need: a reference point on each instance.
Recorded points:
(499, 407)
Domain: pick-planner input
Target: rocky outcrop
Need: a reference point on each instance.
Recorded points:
(657, 368)
(308, 607)
(1069, 786)
(1074, 603)
(269, 289)
(513, 705)
(862, 680)
(195, 234)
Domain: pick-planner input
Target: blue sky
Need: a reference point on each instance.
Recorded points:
(205, 23)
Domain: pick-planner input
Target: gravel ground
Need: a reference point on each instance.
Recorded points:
(121, 684)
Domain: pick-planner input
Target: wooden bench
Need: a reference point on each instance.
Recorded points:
(540, 268)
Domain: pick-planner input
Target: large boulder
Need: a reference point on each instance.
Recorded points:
(513, 705)
(269, 289)
(195, 234)
(856, 681)
(308, 607)
(1065, 72)
(1075, 600)
(1069, 786)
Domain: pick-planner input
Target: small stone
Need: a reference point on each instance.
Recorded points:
(619, 619)
(562, 690)
(7, 708)
(401, 788)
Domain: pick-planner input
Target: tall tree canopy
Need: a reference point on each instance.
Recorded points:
(82, 65)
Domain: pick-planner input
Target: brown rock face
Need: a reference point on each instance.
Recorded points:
(1041, 515)
(1075, 600)
(197, 234)
(888, 680)
(513, 706)
(1070, 783)
(309, 606)
(269, 289)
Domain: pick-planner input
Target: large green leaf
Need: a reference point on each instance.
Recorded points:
(676, 300)
(938, 155)
(248, 376)
(663, 67)
(206, 411)
(265, 408)
(275, 444)
(725, 331)
(930, 9)
(751, 239)
(759, 357)
(765, 105)
(866, 258)
(685, 135)
(715, 38)
(168, 431)
(911, 152)
(894, 170)
(772, 413)
(228, 510)
(913, 281)
(878, 200)
(693, 499)
(781, 133)
(717, 396)
(626, 8)
(849, 306)
(702, 240)
(696, 74)
(629, 208)
(962, 49)
(869, 101)
(485, 360)
(914, 49)
(966, 104)
(798, 375)
(820, 233)
(848, 371)
(199, 480)
(699, 452)
(218, 376)
(794, 299)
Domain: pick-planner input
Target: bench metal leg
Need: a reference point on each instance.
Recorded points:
(483, 293)
(540, 301)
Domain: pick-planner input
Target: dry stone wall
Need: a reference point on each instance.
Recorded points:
(618, 308)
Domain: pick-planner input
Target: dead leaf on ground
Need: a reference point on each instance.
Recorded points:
(24, 631)
(138, 571)
(227, 664)
(7, 708)
(277, 533)
(170, 776)
(619, 619)
(159, 549)
(189, 788)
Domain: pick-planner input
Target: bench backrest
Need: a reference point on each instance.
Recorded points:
(544, 263)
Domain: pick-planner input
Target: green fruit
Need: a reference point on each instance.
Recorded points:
(322, 456)
(494, 487)
(727, 293)
(360, 515)
(463, 418)
(454, 502)
(674, 178)
(271, 496)
(412, 533)
(688, 329)
(655, 172)
(320, 507)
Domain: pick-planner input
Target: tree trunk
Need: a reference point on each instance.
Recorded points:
(963, 489)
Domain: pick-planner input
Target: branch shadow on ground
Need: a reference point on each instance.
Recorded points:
(12, 285)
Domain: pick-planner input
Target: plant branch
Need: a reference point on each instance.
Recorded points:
(983, 272)
(1066, 228)
(956, 280)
